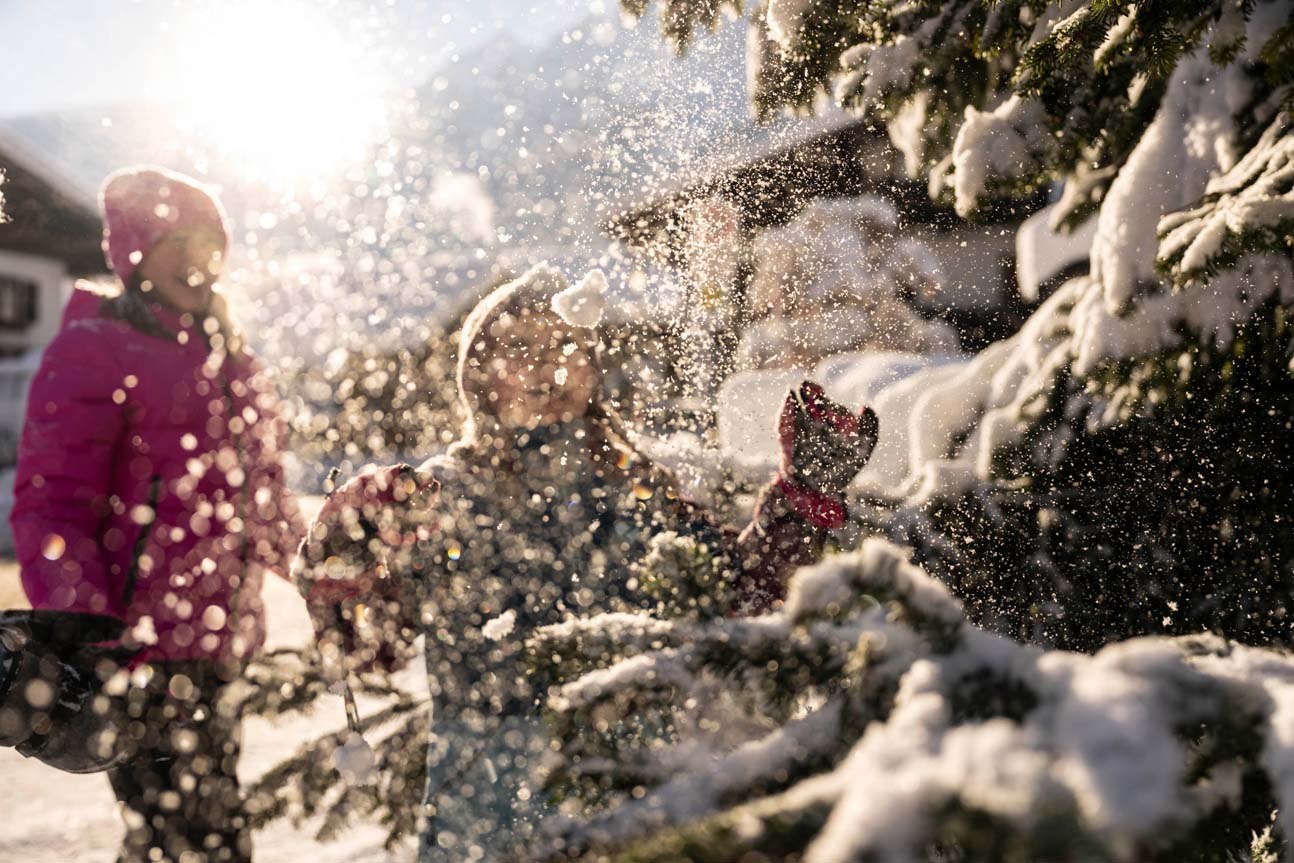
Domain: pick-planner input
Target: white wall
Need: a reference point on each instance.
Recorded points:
(20, 349)
(53, 287)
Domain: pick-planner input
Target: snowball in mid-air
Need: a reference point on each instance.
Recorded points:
(500, 627)
(356, 761)
(582, 304)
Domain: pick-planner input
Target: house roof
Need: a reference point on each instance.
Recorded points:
(48, 213)
(832, 155)
(829, 156)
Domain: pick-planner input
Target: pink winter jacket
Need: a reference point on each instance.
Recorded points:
(118, 420)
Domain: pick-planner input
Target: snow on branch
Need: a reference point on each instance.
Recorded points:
(767, 652)
(1153, 749)
(662, 670)
(748, 771)
(1249, 208)
(875, 574)
(998, 152)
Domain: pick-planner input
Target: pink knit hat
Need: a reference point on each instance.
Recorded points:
(143, 204)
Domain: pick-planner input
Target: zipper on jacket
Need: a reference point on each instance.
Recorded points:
(239, 497)
(141, 542)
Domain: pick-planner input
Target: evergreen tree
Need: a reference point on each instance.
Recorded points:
(314, 782)
(371, 407)
(1120, 466)
(890, 729)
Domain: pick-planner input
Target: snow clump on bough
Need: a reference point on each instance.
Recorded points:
(899, 732)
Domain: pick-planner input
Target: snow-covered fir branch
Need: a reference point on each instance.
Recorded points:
(1250, 206)
(307, 786)
(978, 747)
(1162, 118)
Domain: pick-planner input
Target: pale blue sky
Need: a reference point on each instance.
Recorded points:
(57, 54)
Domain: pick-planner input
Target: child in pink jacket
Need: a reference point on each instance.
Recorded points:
(150, 489)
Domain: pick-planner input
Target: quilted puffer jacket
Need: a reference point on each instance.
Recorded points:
(150, 485)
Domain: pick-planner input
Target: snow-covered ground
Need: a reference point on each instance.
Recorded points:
(52, 817)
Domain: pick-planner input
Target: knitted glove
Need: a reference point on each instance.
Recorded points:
(355, 604)
(824, 446)
(372, 632)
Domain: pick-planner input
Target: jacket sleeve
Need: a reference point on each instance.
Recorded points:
(75, 419)
(784, 534)
(278, 512)
(787, 530)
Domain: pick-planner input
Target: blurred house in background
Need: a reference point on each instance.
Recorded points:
(51, 237)
(833, 156)
(821, 206)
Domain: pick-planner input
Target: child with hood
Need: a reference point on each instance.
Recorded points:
(150, 490)
(533, 516)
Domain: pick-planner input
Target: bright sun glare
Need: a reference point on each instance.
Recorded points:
(276, 87)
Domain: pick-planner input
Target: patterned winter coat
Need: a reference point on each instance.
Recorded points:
(500, 542)
(513, 530)
(150, 485)
(550, 531)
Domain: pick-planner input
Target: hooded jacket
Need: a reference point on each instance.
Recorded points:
(150, 486)
(503, 534)
(535, 527)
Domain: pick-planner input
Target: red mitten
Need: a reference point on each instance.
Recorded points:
(353, 601)
(374, 631)
(824, 446)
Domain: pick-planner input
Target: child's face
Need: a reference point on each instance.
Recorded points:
(533, 373)
(182, 268)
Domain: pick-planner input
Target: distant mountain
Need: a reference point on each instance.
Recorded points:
(573, 129)
(89, 143)
(557, 135)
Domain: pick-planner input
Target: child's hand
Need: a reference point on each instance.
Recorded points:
(354, 603)
(824, 445)
(360, 525)
(373, 632)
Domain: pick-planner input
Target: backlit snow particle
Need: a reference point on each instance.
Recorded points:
(582, 304)
(53, 547)
(500, 627)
